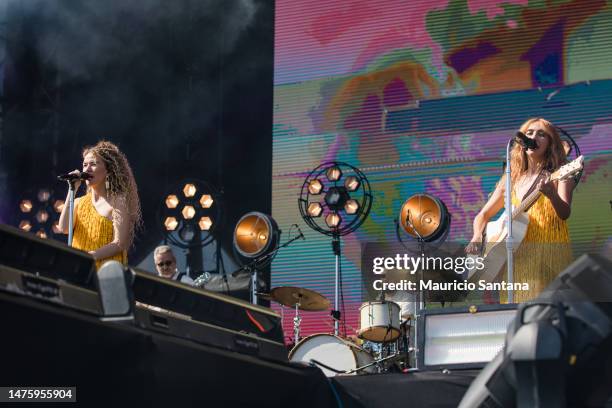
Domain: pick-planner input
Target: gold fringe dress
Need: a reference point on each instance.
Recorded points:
(544, 252)
(92, 231)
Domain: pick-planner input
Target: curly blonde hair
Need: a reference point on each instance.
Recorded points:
(121, 183)
(555, 155)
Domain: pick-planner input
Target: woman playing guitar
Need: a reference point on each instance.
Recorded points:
(541, 255)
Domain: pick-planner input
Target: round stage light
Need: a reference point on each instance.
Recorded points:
(25, 225)
(58, 206)
(333, 220)
(425, 217)
(172, 201)
(315, 187)
(351, 183)
(25, 206)
(170, 223)
(41, 234)
(189, 190)
(42, 216)
(255, 235)
(206, 201)
(205, 223)
(351, 206)
(314, 209)
(333, 173)
(43, 195)
(195, 203)
(188, 212)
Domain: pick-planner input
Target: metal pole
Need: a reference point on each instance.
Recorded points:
(70, 212)
(254, 287)
(337, 316)
(509, 238)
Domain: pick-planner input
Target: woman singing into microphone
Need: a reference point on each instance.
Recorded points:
(106, 217)
(534, 263)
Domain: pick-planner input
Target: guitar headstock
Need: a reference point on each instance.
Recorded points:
(568, 170)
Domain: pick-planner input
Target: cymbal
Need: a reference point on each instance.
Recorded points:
(307, 299)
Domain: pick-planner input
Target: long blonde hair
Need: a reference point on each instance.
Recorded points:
(121, 183)
(554, 157)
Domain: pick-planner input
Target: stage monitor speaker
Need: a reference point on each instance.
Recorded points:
(461, 337)
(45, 257)
(558, 350)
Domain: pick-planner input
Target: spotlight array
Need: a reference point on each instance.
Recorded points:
(335, 199)
(39, 213)
(190, 213)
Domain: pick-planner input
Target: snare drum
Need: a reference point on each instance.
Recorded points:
(379, 321)
(332, 351)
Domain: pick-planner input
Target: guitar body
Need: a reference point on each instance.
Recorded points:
(494, 245)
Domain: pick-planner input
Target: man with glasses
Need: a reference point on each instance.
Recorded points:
(165, 263)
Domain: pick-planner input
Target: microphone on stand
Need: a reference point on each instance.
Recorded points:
(74, 176)
(526, 142)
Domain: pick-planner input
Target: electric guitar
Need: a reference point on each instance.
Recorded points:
(493, 240)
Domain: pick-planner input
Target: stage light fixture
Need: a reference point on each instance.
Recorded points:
(170, 223)
(333, 173)
(205, 223)
(42, 216)
(351, 183)
(321, 208)
(206, 201)
(315, 187)
(172, 201)
(25, 206)
(43, 195)
(255, 234)
(58, 206)
(189, 190)
(424, 217)
(41, 209)
(188, 212)
(333, 220)
(351, 206)
(314, 209)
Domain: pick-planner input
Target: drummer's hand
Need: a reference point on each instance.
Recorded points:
(77, 182)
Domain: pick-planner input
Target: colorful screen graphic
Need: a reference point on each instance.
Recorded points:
(422, 96)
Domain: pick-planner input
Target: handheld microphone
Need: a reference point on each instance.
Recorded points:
(74, 176)
(526, 142)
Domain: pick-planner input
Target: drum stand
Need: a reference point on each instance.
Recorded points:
(297, 320)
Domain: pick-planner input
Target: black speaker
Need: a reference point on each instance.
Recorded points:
(562, 337)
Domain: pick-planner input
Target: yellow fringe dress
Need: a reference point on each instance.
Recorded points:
(544, 252)
(93, 231)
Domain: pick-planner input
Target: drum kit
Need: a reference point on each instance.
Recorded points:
(381, 345)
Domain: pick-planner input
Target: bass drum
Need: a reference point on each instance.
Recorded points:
(333, 351)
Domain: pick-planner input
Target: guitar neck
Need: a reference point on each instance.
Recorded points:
(530, 199)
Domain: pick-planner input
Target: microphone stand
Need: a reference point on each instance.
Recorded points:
(509, 238)
(252, 266)
(71, 192)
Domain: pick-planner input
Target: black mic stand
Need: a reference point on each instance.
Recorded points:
(251, 267)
